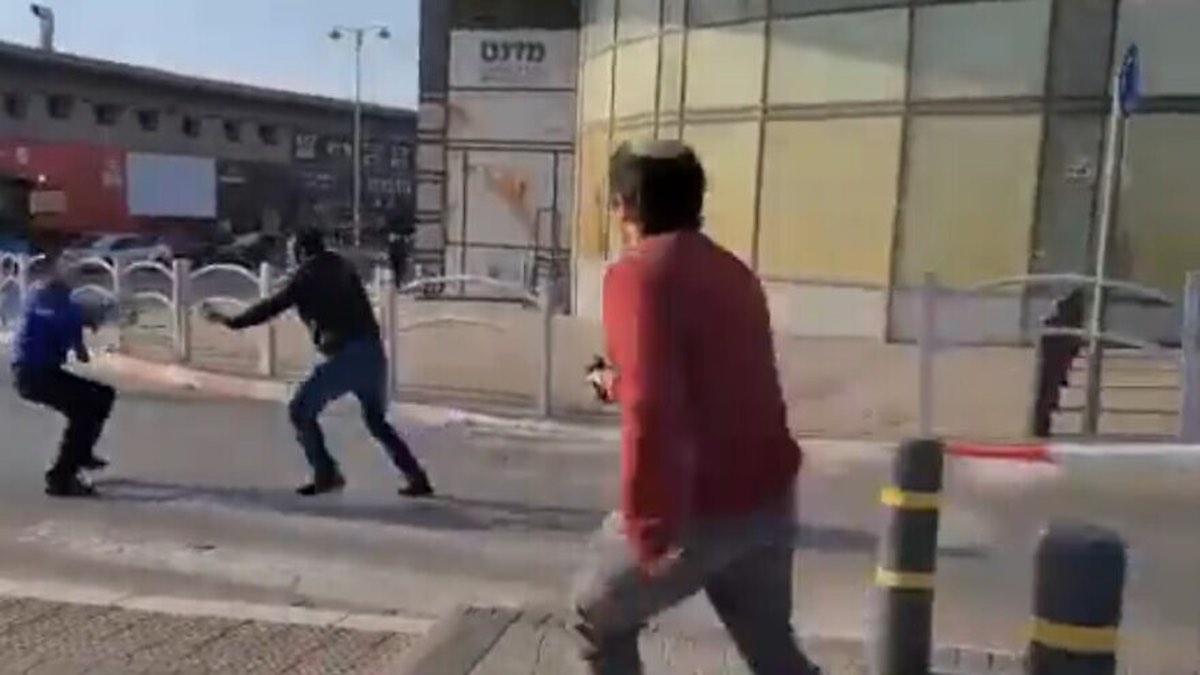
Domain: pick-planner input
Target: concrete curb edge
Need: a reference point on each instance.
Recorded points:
(459, 641)
(177, 606)
(235, 386)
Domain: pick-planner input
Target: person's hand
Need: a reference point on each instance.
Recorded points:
(655, 568)
(601, 376)
(213, 315)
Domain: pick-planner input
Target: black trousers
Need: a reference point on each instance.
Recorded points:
(85, 404)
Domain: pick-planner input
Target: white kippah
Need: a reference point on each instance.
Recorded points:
(658, 148)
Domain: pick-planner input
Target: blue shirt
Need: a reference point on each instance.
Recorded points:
(51, 326)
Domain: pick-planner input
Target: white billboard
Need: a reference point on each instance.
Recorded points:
(513, 59)
(534, 116)
(171, 186)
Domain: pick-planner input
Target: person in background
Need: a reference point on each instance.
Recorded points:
(399, 247)
(51, 328)
(329, 296)
(708, 465)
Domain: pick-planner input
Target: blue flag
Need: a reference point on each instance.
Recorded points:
(1129, 84)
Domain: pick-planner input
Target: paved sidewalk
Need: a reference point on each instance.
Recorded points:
(57, 638)
(492, 641)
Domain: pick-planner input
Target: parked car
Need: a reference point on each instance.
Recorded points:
(198, 246)
(123, 248)
(250, 250)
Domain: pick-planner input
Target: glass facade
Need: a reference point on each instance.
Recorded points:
(829, 199)
(865, 143)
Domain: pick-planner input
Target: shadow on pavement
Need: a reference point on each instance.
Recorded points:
(440, 513)
(451, 513)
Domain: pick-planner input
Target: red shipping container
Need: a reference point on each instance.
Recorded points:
(91, 177)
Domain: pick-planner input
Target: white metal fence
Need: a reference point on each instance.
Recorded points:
(181, 303)
(935, 335)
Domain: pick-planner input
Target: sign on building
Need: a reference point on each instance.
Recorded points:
(513, 59)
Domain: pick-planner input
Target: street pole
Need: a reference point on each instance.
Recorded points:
(359, 33)
(1124, 92)
(1095, 358)
(357, 196)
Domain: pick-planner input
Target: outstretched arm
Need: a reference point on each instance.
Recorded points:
(261, 311)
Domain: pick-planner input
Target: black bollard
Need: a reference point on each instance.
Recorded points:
(903, 638)
(1077, 601)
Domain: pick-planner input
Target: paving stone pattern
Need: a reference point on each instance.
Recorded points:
(48, 638)
(489, 641)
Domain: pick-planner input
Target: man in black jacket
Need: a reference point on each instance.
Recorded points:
(330, 299)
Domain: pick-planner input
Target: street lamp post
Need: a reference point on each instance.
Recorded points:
(358, 33)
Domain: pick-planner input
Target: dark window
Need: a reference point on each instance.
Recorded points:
(498, 14)
(16, 105)
(106, 114)
(59, 106)
(190, 126)
(233, 131)
(269, 134)
(148, 119)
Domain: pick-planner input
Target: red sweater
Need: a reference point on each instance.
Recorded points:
(703, 422)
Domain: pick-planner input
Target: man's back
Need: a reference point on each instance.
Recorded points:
(730, 414)
(330, 299)
(333, 303)
(51, 326)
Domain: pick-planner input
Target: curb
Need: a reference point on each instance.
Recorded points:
(275, 391)
(177, 606)
(459, 641)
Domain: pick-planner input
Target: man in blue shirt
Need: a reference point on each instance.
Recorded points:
(52, 327)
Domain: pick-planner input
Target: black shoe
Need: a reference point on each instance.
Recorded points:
(322, 485)
(417, 490)
(94, 463)
(69, 487)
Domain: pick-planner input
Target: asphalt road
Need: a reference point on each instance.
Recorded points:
(199, 503)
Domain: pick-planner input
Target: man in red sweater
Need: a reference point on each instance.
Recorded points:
(708, 465)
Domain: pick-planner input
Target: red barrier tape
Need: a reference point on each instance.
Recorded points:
(1034, 454)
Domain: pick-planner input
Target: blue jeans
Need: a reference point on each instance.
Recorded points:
(360, 368)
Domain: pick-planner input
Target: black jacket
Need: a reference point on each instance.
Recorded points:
(330, 299)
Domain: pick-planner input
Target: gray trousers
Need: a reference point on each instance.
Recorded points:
(743, 565)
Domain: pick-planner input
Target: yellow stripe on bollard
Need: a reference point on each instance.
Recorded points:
(909, 581)
(913, 501)
(1075, 639)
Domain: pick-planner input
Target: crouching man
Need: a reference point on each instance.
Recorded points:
(51, 328)
(708, 466)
